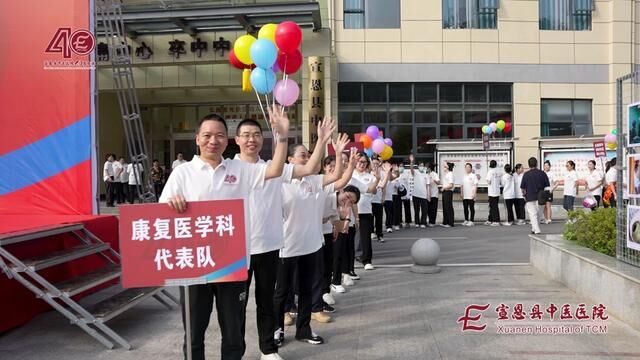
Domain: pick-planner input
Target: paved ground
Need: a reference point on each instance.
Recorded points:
(390, 314)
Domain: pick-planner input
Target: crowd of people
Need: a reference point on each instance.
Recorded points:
(302, 256)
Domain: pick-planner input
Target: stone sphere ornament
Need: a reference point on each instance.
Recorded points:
(425, 253)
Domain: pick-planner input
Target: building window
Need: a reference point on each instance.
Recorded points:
(414, 113)
(470, 14)
(565, 117)
(566, 14)
(371, 14)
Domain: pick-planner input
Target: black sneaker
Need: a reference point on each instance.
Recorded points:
(314, 339)
(354, 276)
(328, 308)
(278, 337)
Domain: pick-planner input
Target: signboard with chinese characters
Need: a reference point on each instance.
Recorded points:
(599, 149)
(204, 244)
(479, 161)
(316, 97)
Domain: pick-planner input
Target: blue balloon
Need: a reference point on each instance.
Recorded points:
(369, 152)
(263, 80)
(263, 53)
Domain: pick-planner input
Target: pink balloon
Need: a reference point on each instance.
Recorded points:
(378, 146)
(610, 139)
(388, 142)
(286, 92)
(493, 126)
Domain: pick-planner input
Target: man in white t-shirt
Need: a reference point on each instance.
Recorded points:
(266, 225)
(434, 181)
(117, 171)
(135, 179)
(210, 177)
(178, 161)
(493, 191)
(109, 178)
(420, 193)
(594, 182)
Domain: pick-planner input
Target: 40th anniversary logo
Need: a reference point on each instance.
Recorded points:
(80, 42)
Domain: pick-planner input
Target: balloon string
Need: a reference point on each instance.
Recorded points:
(263, 112)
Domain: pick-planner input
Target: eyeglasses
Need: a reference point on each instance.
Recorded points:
(248, 136)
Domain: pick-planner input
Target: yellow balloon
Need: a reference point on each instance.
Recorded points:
(268, 32)
(246, 82)
(387, 153)
(611, 146)
(242, 48)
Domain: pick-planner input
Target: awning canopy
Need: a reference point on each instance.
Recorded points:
(471, 144)
(564, 142)
(191, 17)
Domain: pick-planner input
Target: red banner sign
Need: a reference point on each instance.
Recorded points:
(204, 244)
(347, 149)
(599, 149)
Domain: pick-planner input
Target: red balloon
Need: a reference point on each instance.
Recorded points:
(288, 36)
(289, 63)
(507, 127)
(235, 62)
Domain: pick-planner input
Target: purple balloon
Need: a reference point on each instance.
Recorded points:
(286, 92)
(610, 139)
(276, 67)
(378, 146)
(373, 131)
(493, 127)
(589, 202)
(388, 142)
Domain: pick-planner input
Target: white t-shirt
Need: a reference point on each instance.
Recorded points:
(231, 179)
(469, 185)
(493, 181)
(132, 175)
(364, 205)
(517, 179)
(611, 176)
(266, 212)
(407, 181)
(448, 180)
(377, 197)
(433, 177)
(117, 170)
(124, 175)
(392, 189)
(420, 183)
(592, 179)
(177, 162)
(107, 170)
(552, 177)
(303, 208)
(508, 184)
(330, 212)
(570, 179)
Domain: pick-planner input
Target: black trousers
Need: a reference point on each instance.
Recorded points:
(494, 212)
(397, 210)
(157, 188)
(469, 206)
(406, 203)
(420, 207)
(230, 299)
(388, 213)
(366, 226)
(377, 210)
(351, 248)
(598, 198)
(432, 208)
(133, 193)
(306, 265)
(263, 267)
(322, 275)
(340, 258)
(110, 192)
(510, 204)
(520, 212)
(120, 192)
(447, 207)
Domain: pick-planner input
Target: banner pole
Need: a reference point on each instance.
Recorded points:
(187, 316)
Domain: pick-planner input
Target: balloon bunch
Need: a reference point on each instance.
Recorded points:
(277, 48)
(498, 126)
(611, 139)
(375, 143)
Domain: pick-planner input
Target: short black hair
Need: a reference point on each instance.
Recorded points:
(213, 117)
(493, 164)
(354, 190)
(364, 156)
(507, 169)
(592, 162)
(547, 162)
(431, 166)
(450, 166)
(518, 166)
(533, 162)
(249, 122)
(573, 165)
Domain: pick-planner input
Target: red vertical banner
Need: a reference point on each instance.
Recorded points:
(206, 243)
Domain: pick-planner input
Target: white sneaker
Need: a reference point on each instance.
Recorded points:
(338, 289)
(495, 224)
(521, 222)
(488, 223)
(506, 224)
(369, 267)
(328, 299)
(470, 223)
(445, 225)
(423, 226)
(464, 223)
(347, 280)
(396, 228)
(374, 236)
(547, 222)
(542, 221)
(431, 225)
(273, 356)
(389, 230)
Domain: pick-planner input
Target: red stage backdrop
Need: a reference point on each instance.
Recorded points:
(47, 116)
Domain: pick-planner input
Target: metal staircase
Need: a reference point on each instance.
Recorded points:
(59, 295)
